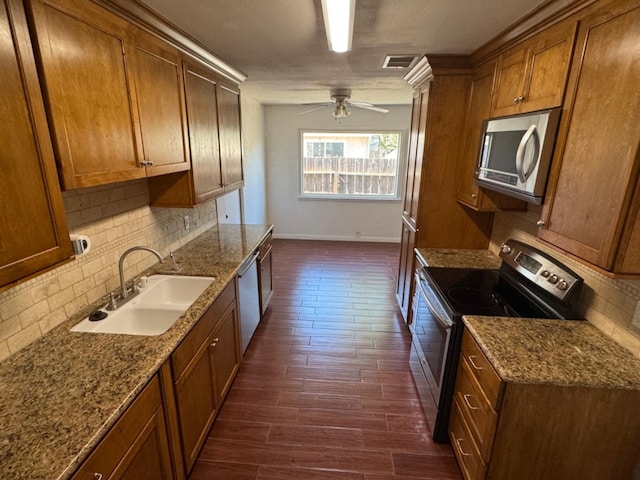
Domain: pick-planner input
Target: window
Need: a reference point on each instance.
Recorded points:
(361, 165)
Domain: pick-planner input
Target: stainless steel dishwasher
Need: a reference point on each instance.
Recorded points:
(248, 299)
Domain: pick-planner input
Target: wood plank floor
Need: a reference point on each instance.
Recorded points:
(325, 390)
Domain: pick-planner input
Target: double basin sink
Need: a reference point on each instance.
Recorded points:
(154, 310)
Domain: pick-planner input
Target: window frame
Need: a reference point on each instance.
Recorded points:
(401, 166)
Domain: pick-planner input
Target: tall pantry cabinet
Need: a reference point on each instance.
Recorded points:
(432, 218)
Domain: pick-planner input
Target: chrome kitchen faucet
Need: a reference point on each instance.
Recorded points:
(124, 293)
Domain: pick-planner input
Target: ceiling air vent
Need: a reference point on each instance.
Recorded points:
(398, 61)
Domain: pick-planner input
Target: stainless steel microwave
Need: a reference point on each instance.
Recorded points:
(515, 154)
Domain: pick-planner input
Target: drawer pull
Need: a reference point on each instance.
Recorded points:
(215, 342)
(471, 357)
(465, 397)
(97, 476)
(460, 449)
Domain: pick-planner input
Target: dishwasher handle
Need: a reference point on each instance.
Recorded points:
(247, 265)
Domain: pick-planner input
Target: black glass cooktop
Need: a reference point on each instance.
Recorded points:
(481, 292)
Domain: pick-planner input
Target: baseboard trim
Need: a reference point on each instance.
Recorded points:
(336, 238)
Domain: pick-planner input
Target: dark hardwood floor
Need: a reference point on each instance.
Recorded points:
(325, 391)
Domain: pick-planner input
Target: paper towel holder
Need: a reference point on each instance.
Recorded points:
(80, 243)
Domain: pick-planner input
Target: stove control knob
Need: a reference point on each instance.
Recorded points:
(545, 273)
(504, 248)
(553, 279)
(562, 285)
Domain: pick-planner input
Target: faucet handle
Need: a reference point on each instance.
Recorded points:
(176, 266)
(113, 304)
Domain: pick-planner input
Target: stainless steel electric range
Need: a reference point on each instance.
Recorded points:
(529, 284)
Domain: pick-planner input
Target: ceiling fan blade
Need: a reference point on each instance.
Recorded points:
(314, 109)
(371, 107)
(360, 104)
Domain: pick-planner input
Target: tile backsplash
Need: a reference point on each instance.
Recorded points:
(607, 303)
(115, 217)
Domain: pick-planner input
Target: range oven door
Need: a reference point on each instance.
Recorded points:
(431, 334)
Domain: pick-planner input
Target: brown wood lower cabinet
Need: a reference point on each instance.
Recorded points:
(265, 277)
(137, 446)
(204, 366)
(503, 430)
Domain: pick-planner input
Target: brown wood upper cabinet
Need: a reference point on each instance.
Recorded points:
(159, 92)
(468, 192)
(213, 117)
(91, 66)
(593, 199)
(34, 231)
(533, 75)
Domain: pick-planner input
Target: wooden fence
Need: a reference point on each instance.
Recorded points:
(349, 176)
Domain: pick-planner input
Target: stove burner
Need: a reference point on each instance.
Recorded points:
(471, 297)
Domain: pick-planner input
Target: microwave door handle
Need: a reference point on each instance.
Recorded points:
(532, 131)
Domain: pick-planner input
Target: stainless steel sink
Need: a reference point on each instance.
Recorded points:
(154, 310)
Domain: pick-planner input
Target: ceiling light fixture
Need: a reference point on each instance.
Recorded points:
(338, 23)
(341, 111)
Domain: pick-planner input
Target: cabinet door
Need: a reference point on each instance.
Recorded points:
(230, 141)
(159, 91)
(509, 82)
(265, 278)
(136, 447)
(596, 162)
(411, 160)
(406, 267)
(202, 116)
(549, 59)
(196, 402)
(225, 351)
(88, 83)
(414, 204)
(533, 76)
(34, 232)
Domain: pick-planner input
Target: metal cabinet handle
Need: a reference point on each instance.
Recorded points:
(215, 342)
(465, 397)
(540, 223)
(474, 195)
(518, 100)
(97, 476)
(471, 357)
(458, 440)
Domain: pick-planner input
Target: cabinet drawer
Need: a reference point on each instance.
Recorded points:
(480, 415)
(482, 370)
(464, 447)
(199, 333)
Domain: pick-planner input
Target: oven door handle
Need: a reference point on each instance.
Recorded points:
(444, 322)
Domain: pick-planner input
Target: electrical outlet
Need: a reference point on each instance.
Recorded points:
(636, 316)
(187, 222)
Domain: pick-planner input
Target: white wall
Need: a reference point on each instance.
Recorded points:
(253, 146)
(294, 217)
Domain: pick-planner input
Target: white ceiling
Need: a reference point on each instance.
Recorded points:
(281, 44)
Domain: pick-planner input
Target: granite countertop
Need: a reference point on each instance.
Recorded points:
(60, 395)
(458, 258)
(555, 352)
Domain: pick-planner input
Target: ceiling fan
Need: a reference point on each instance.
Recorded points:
(341, 101)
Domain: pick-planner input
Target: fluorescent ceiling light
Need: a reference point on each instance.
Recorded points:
(338, 23)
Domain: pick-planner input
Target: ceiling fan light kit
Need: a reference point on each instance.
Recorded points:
(338, 23)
